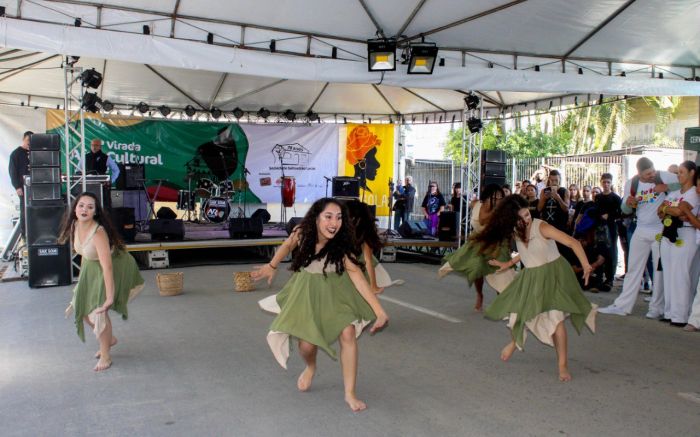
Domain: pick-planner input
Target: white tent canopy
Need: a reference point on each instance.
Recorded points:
(580, 49)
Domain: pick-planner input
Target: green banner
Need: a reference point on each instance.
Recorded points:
(691, 144)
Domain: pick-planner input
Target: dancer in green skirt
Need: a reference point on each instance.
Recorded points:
(545, 293)
(109, 276)
(326, 299)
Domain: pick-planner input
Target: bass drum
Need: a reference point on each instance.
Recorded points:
(216, 209)
(289, 191)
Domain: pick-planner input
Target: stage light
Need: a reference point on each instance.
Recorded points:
(312, 116)
(661, 75)
(146, 30)
(334, 53)
(78, 22)
(600, 99)
(91, 78)
(72, 60)
(237, 112)
(537, 68)
(442, 62)
(142, 107)
(210, 38)
(107, 106)
(90, 102)
(190, 111)
(289, 115)
(623, 74)
(550, 104)
(263, 113)
(472, 101)
(164, 110)
(576, 100)
(580, 70)
(2, 11)
(422, 60)
(474, 124)
(273, 46)
(215, 112)
(490, 65)
(381, 54)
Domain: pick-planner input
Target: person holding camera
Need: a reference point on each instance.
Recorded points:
(553, 204)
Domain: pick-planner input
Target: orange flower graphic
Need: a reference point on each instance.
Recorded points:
(360, 141)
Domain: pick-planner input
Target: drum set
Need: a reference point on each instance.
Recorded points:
(215, 200)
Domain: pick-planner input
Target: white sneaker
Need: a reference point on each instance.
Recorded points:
(612, 309)
(653, 315)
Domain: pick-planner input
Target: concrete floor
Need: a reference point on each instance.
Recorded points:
(198, 364)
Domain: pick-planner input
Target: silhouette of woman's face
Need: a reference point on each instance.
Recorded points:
(370, 164)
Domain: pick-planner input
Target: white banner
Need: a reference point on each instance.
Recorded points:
(306, 153)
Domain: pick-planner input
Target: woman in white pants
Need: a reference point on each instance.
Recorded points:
(693, 217)
(677, 257)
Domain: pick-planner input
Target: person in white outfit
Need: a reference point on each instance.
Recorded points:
(678, 248)
(642, 195)
(693, 217)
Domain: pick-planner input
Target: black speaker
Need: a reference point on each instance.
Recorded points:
(45, 175)
(346, 187)
(43, 222)
(447, 226)
(166, 213)
(45, 158)
(124, 222)
(45, 142)
(49, 266)
(498, 180)
(261, 214)
(131, 176)
(95, 188)
(493, 169)
(166, 229)
(413, 229)
(245, 227)
(292, 223)
(44, 192)
(493, 156)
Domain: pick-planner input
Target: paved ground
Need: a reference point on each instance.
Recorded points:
(198, 364)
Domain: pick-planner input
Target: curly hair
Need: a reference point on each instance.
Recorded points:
(69, 219)
(342, 245)
(490, 192)
(365, 226)
(504, 225)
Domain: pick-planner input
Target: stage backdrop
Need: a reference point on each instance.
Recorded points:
(367, 152)
(171, 150)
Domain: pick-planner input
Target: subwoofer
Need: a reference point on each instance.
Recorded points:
(413, 229)
(245, 228)
(166, 229)
(447, 227)
(43, 222)
(49, 266)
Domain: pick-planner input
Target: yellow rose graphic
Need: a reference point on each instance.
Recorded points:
(360, 141)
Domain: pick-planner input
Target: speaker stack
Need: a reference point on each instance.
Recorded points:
(493, 167)
(49, 262)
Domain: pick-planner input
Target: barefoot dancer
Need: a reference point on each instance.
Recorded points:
(109, 276)
(546, 291)
(321, 303)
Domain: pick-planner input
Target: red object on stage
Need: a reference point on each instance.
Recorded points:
(289, 191)
(165, 194)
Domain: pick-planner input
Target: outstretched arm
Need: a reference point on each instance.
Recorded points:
(369, 265)
(504, 265)
(270, 269)
(549, 231)
(358, 279)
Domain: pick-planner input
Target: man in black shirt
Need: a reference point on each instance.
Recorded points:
(554, 202)
(608, 205)
(97, 163)
(18, 169)
(409, 191)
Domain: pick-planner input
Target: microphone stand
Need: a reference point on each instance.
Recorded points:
(283, 210)
(327, 180)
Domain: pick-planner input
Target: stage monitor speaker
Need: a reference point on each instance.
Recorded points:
(245, 227)
(49, 266)
(261, 214)
(166, 213)
(43, 223)
(413, 229)
(131, 176)
(166, 229)
(493, 156)
(447, 226)
(43, 192)
(44, 158)
(493, 169)
(45, 142)
(292, 223)
(45, 175)
(346, 187)
(498, 180)
(124, 222)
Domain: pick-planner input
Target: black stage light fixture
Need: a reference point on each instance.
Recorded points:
(474, 124)
(537, 68)
(190, 111)
(263, 113)
(490, 65)
(576, 100)
(215, 112)
(273, 46)
(381, 54)
(90, 102)
(164, 110)
(623, 74)
(661, 75)
(312, 116)
(78, 22)
(580, 70)
(550, 104)
(143, 107)
(600, 99)
(91, 78)
(107, 106)
(472, 101)
(146, 29)
(289, 115)
(210, 38)
(422, 60)
(72, 60)
(2, 11)
(334, 53)
(442, 62)
(237, 112)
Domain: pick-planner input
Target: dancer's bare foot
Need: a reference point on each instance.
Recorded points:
(354, 403)
(111, 344)
(564, 375)
(304, 381)
(444, 270)
(479, 305)
(103, 364)
(507, 351)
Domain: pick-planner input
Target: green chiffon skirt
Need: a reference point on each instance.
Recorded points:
(474, 265)
(539, 290)
(90, 293)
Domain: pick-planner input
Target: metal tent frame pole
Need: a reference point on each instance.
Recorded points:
(470, 170)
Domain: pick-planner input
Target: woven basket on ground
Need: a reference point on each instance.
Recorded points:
(243, 282)
(170, 284)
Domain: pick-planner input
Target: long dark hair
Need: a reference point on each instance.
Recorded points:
(69, 219)
(690, 166)
(490, 192)
(504, 225)
(342, 245)
(365, 226)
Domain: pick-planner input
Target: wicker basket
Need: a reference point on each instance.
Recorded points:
(243, 282)
(170, 284)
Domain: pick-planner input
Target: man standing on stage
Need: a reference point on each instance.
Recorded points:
(18, 169)
(96, 163)
(409, 192)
